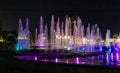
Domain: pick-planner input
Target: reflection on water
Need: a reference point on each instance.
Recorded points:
(115, 57)
(106, 59)
(35, 58)
(56, 60)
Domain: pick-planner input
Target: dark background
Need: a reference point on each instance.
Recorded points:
(105, 13)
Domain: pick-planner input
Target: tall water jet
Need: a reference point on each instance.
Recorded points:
(20, 42)
(46, 36)
(67, 36)
(88, 46)
(71, 41)
(63, 35)
(27, 34)
(79, 38)
(40, 36)
(36, 36)
(23, 36)
(107, 39)
(100, 43)
(52, 33)
(75, 33)
(58, 36)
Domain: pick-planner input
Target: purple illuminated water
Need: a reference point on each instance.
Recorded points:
(88, 60)
(23, 41)
(67, 35)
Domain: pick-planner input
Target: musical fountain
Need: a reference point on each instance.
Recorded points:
(70, 36)
(63, 35)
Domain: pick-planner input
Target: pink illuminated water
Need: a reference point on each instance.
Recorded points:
(56, 60)
(36, 59)
(116, 56)
(67, 35)
(77, 60)
(94, 60)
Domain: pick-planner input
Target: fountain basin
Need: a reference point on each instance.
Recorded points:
(66, 59)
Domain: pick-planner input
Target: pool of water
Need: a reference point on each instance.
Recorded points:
(101, 59)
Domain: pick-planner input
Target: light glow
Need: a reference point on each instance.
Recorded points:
(36, 59)
(77, 60)
(56, 60)
(117, 56)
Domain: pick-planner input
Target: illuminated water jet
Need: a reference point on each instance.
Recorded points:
(63, 35)
(23, 36)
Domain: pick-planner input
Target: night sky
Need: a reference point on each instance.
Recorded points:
(105, 13)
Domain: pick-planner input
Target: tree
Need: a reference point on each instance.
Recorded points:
(115, 36)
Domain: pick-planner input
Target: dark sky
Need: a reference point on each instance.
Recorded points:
(106, 13)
